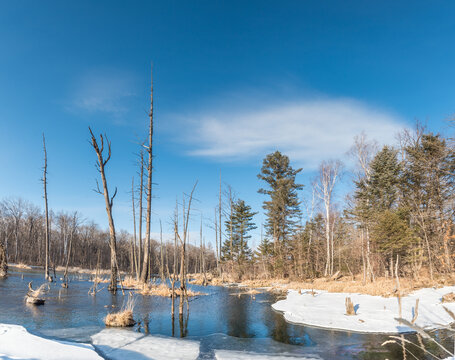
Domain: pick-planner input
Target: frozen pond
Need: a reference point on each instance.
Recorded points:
(222, 320)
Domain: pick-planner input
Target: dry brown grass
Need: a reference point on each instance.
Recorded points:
(448, 298)
(122, 318)
(21, 266)
(130, 282)
(381, 287)
(101, 280)
(198, 279)
(164, 290)
(251, 292)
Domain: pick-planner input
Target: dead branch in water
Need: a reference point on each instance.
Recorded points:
(33, 296)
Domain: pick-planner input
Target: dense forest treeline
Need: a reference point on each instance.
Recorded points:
(22, 232)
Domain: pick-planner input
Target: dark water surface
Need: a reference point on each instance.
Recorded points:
(223, 319)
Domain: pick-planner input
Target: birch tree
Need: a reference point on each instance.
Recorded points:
(328, 176)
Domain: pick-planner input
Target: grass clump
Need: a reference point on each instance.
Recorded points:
(448, 298)
(124, 317)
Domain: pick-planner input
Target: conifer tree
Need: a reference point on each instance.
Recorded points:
(282, 207)
(240, 223)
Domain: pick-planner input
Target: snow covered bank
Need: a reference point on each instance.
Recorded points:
(17, 343)
(124, 344)
(241, 355)
(375, 314)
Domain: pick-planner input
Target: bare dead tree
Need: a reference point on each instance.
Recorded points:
(163, 279)
(100, 165)
(220, 225)
(363, 151)
(46, 211)
(141, 193)
(74, 225)
(134, 262)
(183, 242)
(174, 270)
(3, 262)
(204, 283)
(149, 148)
(328, 174)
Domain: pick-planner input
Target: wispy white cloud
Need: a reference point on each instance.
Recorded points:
(103, 91)
(307, 130)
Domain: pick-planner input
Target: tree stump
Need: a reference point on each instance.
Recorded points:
(349, 307)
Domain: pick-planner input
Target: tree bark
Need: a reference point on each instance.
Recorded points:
(46, 211)
(109, 203)
(145, 266)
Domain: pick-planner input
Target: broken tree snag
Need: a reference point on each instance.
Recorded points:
(100, 165)
(336, 276)
(46, 214)
(416, 312)
(3, 262)
(349, 307)
(146, 264)
(33, 296)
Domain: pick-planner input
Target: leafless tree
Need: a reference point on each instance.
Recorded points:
(149, 148)
(100, 165)
(364, 151)
(328, 175)
(46, 211)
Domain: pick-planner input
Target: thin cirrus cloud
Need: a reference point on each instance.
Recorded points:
(103, 91)
(309, 131)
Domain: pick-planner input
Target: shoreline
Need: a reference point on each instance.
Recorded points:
(424, 309)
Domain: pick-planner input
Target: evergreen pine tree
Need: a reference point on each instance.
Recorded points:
(282, 207)
(241, 220)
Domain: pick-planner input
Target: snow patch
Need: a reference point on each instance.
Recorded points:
(17, 343)
(119, 344)
(374, 314)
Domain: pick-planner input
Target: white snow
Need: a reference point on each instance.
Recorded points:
(125, 344)
(17, 343)
(374, 314)
(245, 355)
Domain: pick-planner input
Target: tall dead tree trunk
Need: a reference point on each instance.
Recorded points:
(220, 227)
(46, 215)
(183, 242)
(141, 190)
(163, 279)
(328, 174)
(70, 246)
(146, 264)
(133, 241)
(3, 262)
(204, 282)
(100, 165)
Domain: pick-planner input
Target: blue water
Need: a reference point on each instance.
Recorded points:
(222, 319)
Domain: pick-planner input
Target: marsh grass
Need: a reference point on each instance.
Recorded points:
(124, 317)
(164, 290)
(386, 287)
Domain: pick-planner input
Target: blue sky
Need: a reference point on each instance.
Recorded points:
(233, 81)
